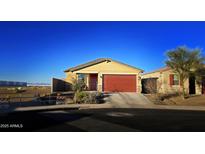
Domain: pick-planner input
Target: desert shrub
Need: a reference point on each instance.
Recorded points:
(151, 86)
(78, 85)
(82, 97)
(94, 97)
(159, 98)
(99, 97)
(79, 95)
(19, 90)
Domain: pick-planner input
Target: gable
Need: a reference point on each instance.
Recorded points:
(158, 73)
(109, 66)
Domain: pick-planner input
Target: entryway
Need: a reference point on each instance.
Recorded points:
(93, 78)
(192, 85)
(203, 85)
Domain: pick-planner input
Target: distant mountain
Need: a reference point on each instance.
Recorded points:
(38, 84)
(12, 84)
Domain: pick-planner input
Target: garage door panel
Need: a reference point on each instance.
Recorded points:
(119, 83)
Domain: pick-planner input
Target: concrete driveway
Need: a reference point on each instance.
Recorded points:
(127, 100)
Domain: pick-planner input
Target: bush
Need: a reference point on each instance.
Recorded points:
(151, 86)
(94, 97)
(82, 97)
(19, 90)
(78, 85)
(160, 98)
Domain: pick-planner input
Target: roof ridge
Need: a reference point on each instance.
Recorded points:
(96, 61)
(158, 70)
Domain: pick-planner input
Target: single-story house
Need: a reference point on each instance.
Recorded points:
(106, 75)
(167, 81)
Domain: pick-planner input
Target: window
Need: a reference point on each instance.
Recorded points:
(81, 77)
(174, 79)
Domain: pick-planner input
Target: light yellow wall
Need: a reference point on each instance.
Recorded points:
(154, 75)
(70, 77)
(199, 86)
(174, 88)
(198, 89)
(163, 84)
(107, 68)
(151, 75)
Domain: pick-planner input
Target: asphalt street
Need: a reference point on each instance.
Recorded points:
(104, 120)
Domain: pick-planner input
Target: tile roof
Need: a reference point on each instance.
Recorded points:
(166, 68)
(159, 70)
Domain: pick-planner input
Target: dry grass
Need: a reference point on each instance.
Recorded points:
(15, 95)
(192, 100)
(195, 100)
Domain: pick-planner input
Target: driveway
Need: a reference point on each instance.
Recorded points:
(127, 100)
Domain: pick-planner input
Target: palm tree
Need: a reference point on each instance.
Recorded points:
(184, 62)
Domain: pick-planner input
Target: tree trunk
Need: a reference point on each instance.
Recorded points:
(183, 91)
(182, 87)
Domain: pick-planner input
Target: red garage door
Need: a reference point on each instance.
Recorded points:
(119, 83)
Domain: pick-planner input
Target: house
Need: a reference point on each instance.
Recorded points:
(166, 81)
(106, 75)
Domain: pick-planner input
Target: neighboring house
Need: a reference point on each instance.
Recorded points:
(168, 82)
(106, 75)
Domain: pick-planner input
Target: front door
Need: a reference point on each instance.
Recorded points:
(203, 85)
(192, 86)
(93, 82)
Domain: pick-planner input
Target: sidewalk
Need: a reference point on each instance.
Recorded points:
(100, 106)
(47, 108)
(95, 106)
(190, 108)
(64, 107)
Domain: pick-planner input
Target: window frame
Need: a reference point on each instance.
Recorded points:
(175, 81)
(82, 78)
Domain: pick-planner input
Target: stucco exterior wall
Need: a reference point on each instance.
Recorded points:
(167, 88)
(158, 75)
(198, 88)
(163, 83)
(70, 77)
(106, 68)
(111, 67)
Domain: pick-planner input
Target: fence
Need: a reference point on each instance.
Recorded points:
(59, 85)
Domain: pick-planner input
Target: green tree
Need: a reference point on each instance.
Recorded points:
(78, 85)
(184, 62)
(79, 88)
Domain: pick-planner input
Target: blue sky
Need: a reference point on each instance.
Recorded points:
(38, 51)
